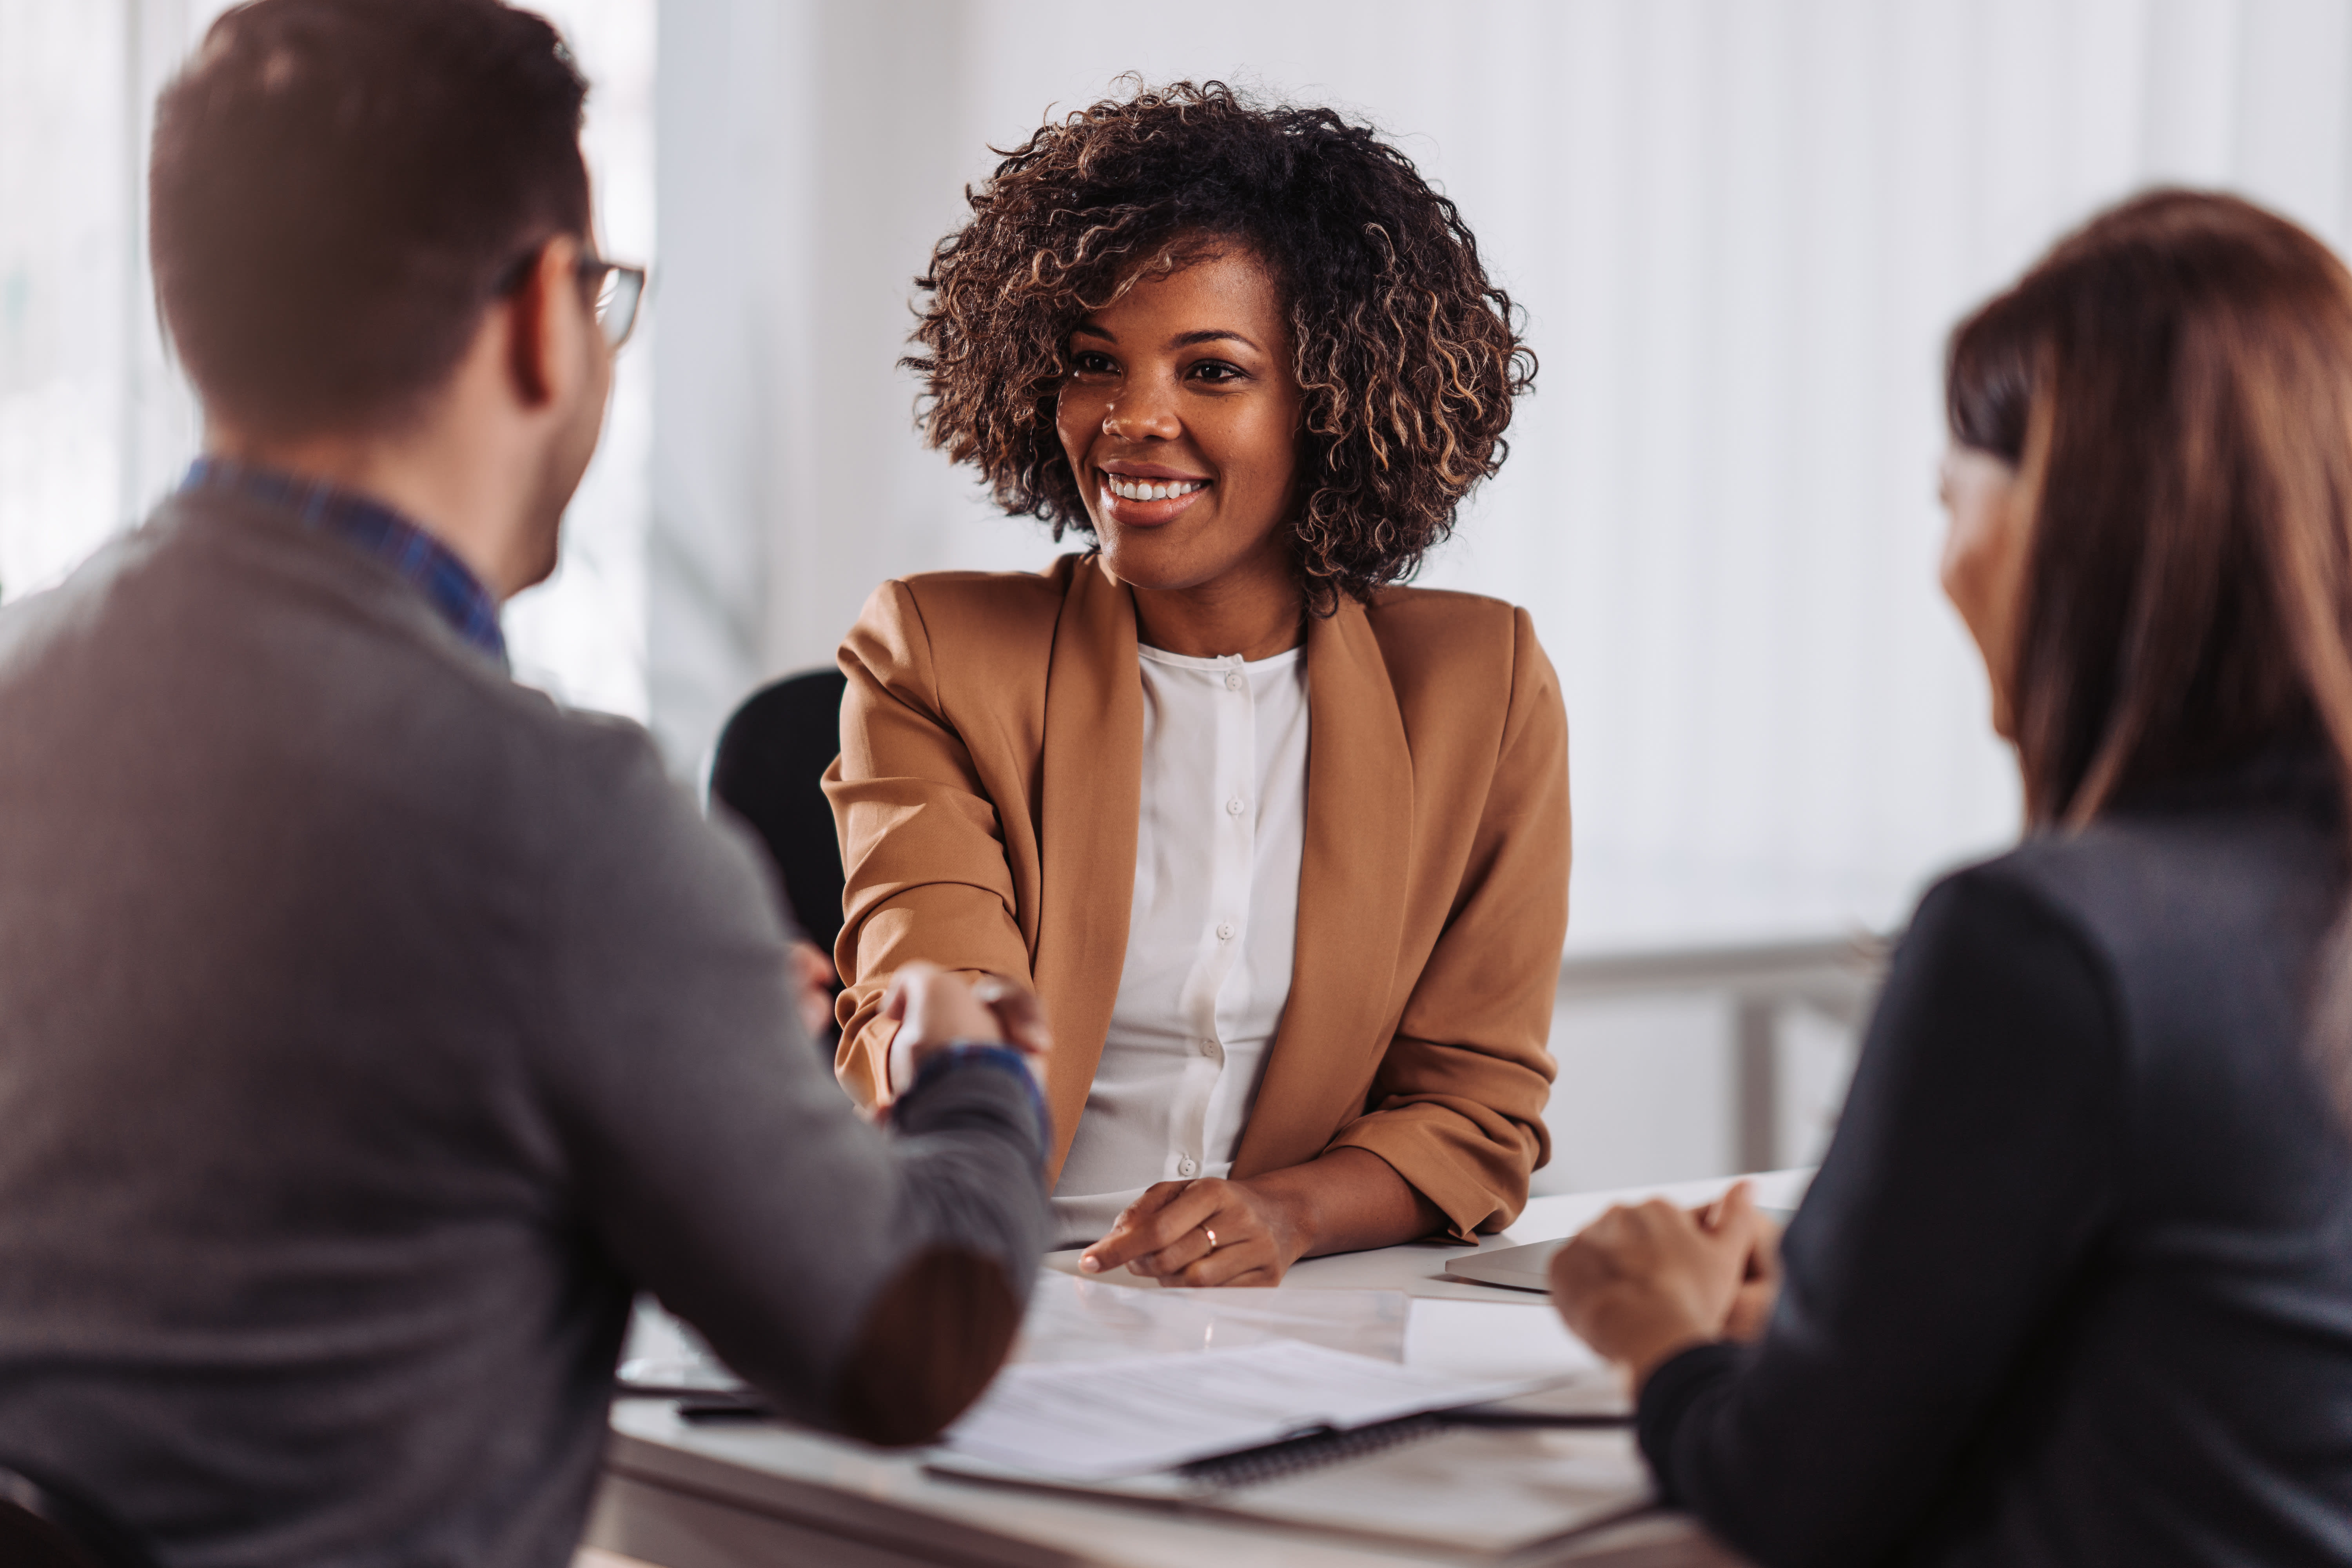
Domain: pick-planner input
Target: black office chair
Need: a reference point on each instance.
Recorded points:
(42, 1525)
(770, 771)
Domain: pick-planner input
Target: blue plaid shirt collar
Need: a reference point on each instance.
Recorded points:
(375, 528)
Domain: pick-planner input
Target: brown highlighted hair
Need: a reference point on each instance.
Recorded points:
(1408, 354)
(339, 186)
(2175, 381)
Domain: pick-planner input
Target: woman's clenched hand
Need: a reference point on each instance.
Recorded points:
(1642, 1283)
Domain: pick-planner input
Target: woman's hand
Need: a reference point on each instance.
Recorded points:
(1642, 1284)
(935, 1009)
(1760, 1286)
(1215, 1232)
(1204, 1232)
(808, 968)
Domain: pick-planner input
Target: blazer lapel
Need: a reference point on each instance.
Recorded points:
(1351, 899)
(1090, 779)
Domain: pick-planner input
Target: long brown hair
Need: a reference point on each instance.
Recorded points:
(2175, 382)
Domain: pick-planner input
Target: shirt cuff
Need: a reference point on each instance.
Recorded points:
(1677, 1384)
(963, 1056)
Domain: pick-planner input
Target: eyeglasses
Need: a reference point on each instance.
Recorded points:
(620, 289)
(617, 291)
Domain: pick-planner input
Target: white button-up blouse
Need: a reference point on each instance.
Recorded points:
(1221, 829)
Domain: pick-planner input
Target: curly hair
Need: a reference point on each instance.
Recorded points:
(1407, 353)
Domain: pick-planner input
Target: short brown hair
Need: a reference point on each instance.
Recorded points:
(339, 186)
(2175, 379)
(1408, 354)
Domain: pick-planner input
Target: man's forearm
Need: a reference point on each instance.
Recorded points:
(938, 1328)
(931, 1341)
(983, 1136)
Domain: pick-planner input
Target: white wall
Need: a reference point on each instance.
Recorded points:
(97, 423)
(93, 422)
(1740, 229)
(581, 634)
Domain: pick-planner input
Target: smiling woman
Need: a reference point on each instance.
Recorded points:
(1182, 413)
(1283, 846)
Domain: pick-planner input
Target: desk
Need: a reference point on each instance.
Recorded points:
(684, 1495)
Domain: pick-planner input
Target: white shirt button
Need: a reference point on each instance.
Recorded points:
(1225, 931)
(1187, 1166)
(1234, 806)
(1232, 683)
(1208, 1047)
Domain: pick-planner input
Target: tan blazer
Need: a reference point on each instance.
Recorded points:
(987, 793)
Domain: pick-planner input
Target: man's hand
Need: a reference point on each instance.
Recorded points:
(1642, 1284)
(934, 1009)
(1204, 1232)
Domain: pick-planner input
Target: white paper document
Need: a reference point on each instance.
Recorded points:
(1096, 1420)
(1088, 1320)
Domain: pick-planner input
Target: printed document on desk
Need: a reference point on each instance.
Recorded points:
(1085, 1421)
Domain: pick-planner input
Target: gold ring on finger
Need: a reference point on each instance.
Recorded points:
(1212, 1236)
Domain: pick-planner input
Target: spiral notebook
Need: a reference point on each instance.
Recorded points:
(1301, 1435)
(1134, 1415)
(1487, 1492)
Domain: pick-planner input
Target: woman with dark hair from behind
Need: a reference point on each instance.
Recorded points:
(1284, 845)
(2075, 1281)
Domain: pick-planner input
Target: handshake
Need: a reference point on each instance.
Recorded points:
(933, 1007)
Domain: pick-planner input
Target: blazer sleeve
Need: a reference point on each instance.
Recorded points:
(921, 848)
(1456, 1106)
(1961, 1207)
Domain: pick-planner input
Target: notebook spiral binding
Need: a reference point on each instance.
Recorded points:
(1279, 1461)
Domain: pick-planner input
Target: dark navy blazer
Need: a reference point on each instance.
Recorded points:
(2074, 1282)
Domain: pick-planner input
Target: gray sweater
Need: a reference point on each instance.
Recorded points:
(370, 1030)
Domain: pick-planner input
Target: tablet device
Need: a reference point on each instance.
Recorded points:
(1529, 1268)
(1513, 1268)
